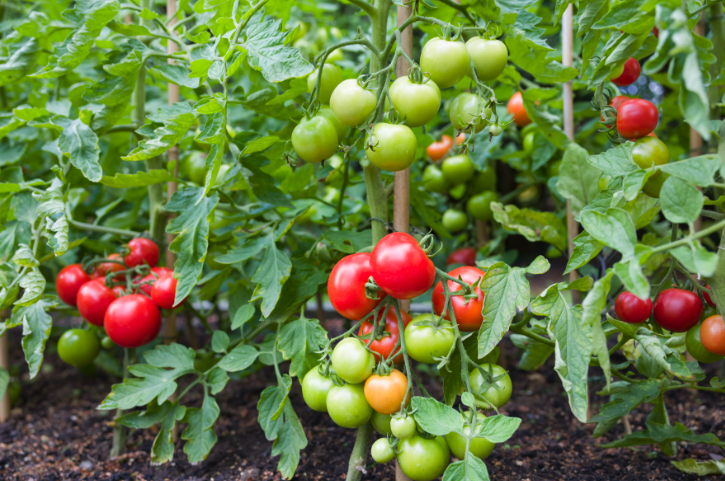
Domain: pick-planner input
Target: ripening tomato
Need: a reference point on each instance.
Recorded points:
(454, 220)
(479, 205)
(384, 346)
(418, 103)
(386, 394)
(467, 311)
(677, 310)
(516, 108)
(707, 297)
(143, 251)
(163, 291)
(69, 281)
(438, 150)
(458, 169)
(347, 405)
(466, 108)
(616, 103)
(381, 423)
(193, 167)
(132, 321)
(315, 139)
(351, 361)
(400, 267)
(93, 301)
(434, 179)
(423, 459)
(646, 152)
(636, 118)
(403, 427)
(147, 282)
(480, 447)
(460, 138)
(632, 309)
(489, 57)
(382, 451)
(326, 112)
(346, 287)
(78, 347)
(446, 61)
(712, 334)
(105, 267)
(498, 394)
(391, 147)
(630, 73)
(352, 104)
(425, 342)
(464, 255)
(331, 78)
(315, 388)
(693, 342)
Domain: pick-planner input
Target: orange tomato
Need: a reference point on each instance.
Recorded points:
(461, 138)
(438, 150)
(712, 335)
(104, 267)
(386, 394)
(516, 108)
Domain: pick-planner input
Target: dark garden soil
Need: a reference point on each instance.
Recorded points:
(56, 433)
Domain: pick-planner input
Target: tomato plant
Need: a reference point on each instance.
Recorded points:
(400, 267)
(423, 459)
(315, 139)
(417, 102)
(347, 405)
(315, 388)
(427, 341)
(466, 309)
(132, 321)
(384, 346)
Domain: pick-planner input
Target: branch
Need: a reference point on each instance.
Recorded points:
(365, 6)
(686, 240)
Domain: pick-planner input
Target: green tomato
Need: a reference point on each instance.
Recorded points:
(315, 388)
(221, 176)
(351, 361)
(193, 167)
(446, 61)
(602, 182)
(217, 250)
(341, 130)
(423, 459)
(483, 181)
(381, 423)
(489, 57)
(479, 205)
(78, 347)
(480, 447)
(529, 195)
(219, 221)
(457, 191)
(648, 151)
(498, 394)
(315, 140)
(495, 130)
(454, 220)
(418, 103)
(529, 143)
(696, 349)
(553, 253)
(458, 169)
(403, 428)
(107, 343)
(425, 342)
(434, 179)
(466, 107)
(351, 103)
(335, 56)
(393, 147)
(347, 405)
(331, 78)
(382, 451)
(552, 168)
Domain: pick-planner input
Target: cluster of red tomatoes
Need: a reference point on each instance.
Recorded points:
(679, 310)
(130, 319)
(360, 384)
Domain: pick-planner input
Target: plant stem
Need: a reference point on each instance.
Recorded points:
(119, 431)
(102, 229)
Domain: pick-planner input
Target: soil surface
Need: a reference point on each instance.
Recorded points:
(56, 433)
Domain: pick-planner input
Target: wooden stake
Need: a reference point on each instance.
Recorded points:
(482, 233)
(5, 364)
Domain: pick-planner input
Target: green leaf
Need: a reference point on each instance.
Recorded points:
(290, 441)
(534, 225)
(80, 143)
(662, 354)
(546, 121)
(271, 405)
(24, 257)
(175, 74)
(36, 330)
(696, 258)
(199, 434)
(586, 248)
(217, 379)
(681, 201)
(300, 341)
(631, 275)
(624, 327)
(703, 468)
(265, 47)
(138, 179)
(177, 119)
(578, 179)
(348, 242)
(262, 183)
(663, 433)
(451, 372)
(18, 63)
(535, 352)
(191, 227)
(435, 417)
(573, 344)
(615, 229)
(470, 469)
(239, 358)
(273, 272)
(174, 355)
(34, 284)
(594, 304)
(615, 162)
(497, 429)
(505, 289)
(219, 341)
(697, 170)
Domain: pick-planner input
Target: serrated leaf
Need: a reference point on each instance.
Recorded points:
(177, 122)
(497, 429)
(199, 434)
(36, 330)
(80, 143)
(616, 161)
(270, 406)
(535, 352)
(681, 201)
(239, 358)
(150, 383)
(586, 248)
(534, 225)
(578, 179)
(290, 441)
(624, 400)
(24, 257)
(470, 469)
(593, 305)
(175, 74)
(614, 228)
(435, 417)
(272, 273)
(34, 284)
(697, 170)
(300, 341)
(663, 433)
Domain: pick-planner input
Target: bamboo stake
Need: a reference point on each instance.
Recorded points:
(567, 59)
(482, 233)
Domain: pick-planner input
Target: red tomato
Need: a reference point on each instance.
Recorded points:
(384, 347)
(438, 150)
(712, 335)
(464, 255)
(346, 286)
(400, 267)
(616, 103)
(656, 32)
(93, 301)
(69, 281)
(632, 309)
(516, 108)
(630, 74)
(467, 311)
(105, 267)
(677, 310)
(461, 138)
(149, 279)
(132, 321)
(707, 297)
(143, 251)
(163, 291)
(636, 118)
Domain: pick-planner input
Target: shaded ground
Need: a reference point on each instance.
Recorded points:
(56, 433)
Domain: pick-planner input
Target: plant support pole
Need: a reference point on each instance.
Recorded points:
(567, 40)
(4, 364)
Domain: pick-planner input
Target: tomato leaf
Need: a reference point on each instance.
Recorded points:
(593, 306)
(199, 434)
(534, 225)
(586, 248)
(435, 417)
(80, 143)
(535, 353)
(273, 272)
(470, 469)
(663, 433)
(616, 161)
(700, 468)
(177, 119)
(577, 178)
(497, 429)
(34, 284)
(625, 399)
(300, 341)
(614, 228)
(681, 201)
(138, 179)
(239, 358)
(290, 441)
(697, 170)
(36, 330)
